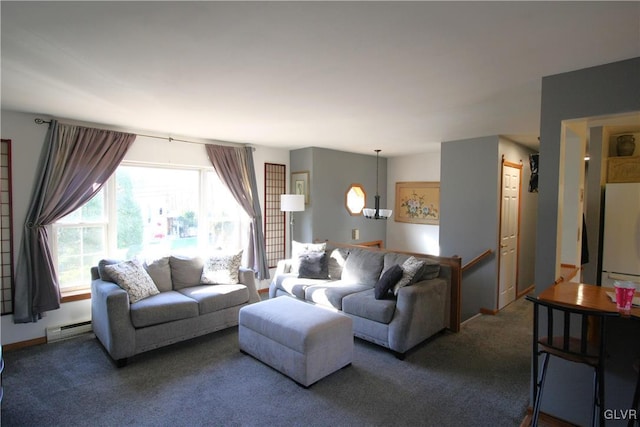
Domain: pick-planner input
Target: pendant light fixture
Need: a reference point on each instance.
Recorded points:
(377, 213)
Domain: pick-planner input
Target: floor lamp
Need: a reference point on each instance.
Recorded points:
(291, 203)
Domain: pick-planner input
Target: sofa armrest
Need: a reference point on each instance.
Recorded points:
(247, 277)
(283, 267)
(111, 319)
(420, 312)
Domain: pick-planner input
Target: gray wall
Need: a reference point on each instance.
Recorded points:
(597, 91)
(469, 215)
(603, 90)
(331, 173)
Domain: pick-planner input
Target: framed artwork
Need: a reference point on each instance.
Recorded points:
(300, 184)
(418, 202)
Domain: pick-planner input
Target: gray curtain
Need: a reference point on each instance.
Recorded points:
(234, 166)
(75, 163)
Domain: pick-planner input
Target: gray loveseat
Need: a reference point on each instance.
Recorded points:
(398, 321)
(183, 307)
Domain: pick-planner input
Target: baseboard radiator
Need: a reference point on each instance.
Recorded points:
(57, 333)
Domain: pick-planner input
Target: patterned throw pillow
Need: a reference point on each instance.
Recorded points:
(133, 278)
(409, 269)
(222, 269)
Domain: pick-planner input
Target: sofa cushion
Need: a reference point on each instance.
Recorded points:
(313, 265)
(430, 271)
(364, 304)
(330, 294)
(133, 278)
(212, 298)
(160, 272)
(363, 267)
(337, 258)
(185, 271)
(221, 269)
(410, 270)
(298, 248)
(161, 308)
(294, 285)
(387, 281)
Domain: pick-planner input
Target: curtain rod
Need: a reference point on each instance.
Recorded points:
(168, 138)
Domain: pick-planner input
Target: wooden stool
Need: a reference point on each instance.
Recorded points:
(582, 348)
(636, 397)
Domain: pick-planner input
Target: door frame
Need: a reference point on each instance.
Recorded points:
(518, 166)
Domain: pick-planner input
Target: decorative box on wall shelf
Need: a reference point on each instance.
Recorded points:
(623, 169)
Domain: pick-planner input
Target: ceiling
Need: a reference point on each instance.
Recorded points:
(352, 76)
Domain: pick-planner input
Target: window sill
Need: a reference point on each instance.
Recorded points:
(69, 296)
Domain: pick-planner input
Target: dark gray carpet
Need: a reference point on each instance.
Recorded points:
(479, 376)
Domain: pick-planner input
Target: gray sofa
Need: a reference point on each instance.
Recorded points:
(428, 305)
(183, 308)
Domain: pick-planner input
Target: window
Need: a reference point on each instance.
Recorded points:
(148, 212)
(80, 242)
(354, 199)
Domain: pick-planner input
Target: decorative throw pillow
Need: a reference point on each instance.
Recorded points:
(313, 265)
(222, 268)
(409, 269)
(298, 248)
(133, 278)
(388, 279)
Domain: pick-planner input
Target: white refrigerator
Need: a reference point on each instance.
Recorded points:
(621, 240)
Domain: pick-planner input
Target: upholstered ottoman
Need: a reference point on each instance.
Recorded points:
(302, 341)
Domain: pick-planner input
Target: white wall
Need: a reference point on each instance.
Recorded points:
(27, 140)
(572, 205)
(421, 238)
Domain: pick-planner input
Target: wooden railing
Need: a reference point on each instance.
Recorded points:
(477, 259)
(372, 244)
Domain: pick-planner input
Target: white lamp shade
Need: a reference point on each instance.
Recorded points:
(292, 202)
(382, 213)
(386, 213)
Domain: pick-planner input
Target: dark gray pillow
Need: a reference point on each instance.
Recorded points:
(388, 279)
(313, 265)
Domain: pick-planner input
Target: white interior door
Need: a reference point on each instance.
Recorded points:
(509, 232)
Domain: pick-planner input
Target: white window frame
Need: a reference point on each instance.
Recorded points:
(110, 214)
(104, 223)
